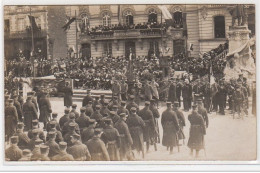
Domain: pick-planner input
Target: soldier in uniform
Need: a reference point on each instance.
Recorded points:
(203, 112)
(88, 132)
(23, 138)
(68, 93)
(29, 112)
(136, 127)
(36, 152)
(104, 109)
(34, 101)
(96, 102)
(197, 131)
(35, 137)
(53, 129)
(78, 150)
(44, 153)
(26, 155)
(96, 115)
(221, 97)
(122, 108)
(18, 108)
(170, 126)
(13, 153)
(35, 125)
(65, 118)
(113, 102)
(111, 139)
(114, 116)
(54, 119)
(11, 119)
(239, 99)
(63, 155)
(54, 147)
(73, 110)
(89, 109)
(97, 148)
(178, 91)
(116, 89)
(82, 120)
(124, 90)
(125, 138)
(181, 120)
(87, 98)
(156, 116)
(149, 130)
(71, 131)
(172, 91)
(65, 128)
(45, 110)
(132, 104)
(187, 95)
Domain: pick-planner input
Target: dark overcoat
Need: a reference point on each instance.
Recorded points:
(68, 93)
(11, 119)
(45, 110)
(30, 113)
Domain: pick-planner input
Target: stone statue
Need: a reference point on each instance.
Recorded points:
(238, 12)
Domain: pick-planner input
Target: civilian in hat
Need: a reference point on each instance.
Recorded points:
(156, 116)
(149, 130)
(35, 125)
(54, 119)
(97, 115)
(122, 108)
(111, 138)
(26, 155)
(73, 110)
(197, 131)
(13, 153)
(89, 109)
(65, 118)
(88, 132)
(65, 128)
(36, 151)
(18, 108)
(203, 112)
(132, 104)
(54, 147)
(68, 93)
(44, 153)
(97, 148)
(170, 126)
(136, 127)
(82, 120)
(125, 138)
(181, 120)
(63, 155)
(29, 112)
(104, 109)
(78, 150)
(22, 137)
(87, 98)
(45, 110)
(11, 119)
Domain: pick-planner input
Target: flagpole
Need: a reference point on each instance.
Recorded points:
(161, 33)
(76, 35)
(32, 53)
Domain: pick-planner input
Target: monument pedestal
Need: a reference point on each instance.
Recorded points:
(239, 56)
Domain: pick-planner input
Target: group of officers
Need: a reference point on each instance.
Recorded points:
(103, 130)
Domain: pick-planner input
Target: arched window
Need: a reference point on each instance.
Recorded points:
(219, 27)
(177, 17)
(152, 17)
(106, 19)
(129, 18)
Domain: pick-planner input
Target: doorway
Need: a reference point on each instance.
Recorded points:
(86, 51)
(129, 47)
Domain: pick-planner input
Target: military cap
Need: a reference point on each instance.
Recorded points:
(62, 143)
(168, 103)
(14, 139)
(67, 110)
(72, 124)
(35, 122)
(147, 103)
(98, 106)
(10, 100)
(44, 148)
(123, 102)
(74, 105)
(82, 109)
(122, 115)
(112, 112)
(52, 122)
(51, 134)
(115, 106)
(72, 115)
(44, 92)
(38, 141)
(54, 114)
(107, 120)
(194, 105)
(29, 97)
(106, 102)
(77, 136)
(90, 102)
(20, 125)
(91, 121)
(133, 109)
(26, 152)
(132, 96)
(97, 131)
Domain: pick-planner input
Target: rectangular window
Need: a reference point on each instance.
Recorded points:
(20, 24)
(7, 26)
(107, 48)
(219, 23)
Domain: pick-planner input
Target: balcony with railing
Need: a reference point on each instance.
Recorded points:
(24, 34)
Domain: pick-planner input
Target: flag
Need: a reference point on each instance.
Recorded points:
(66, 26)
(33, 23)
(166, 15)
(78, 27)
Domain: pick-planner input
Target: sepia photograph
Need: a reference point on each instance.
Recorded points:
(129, 82)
